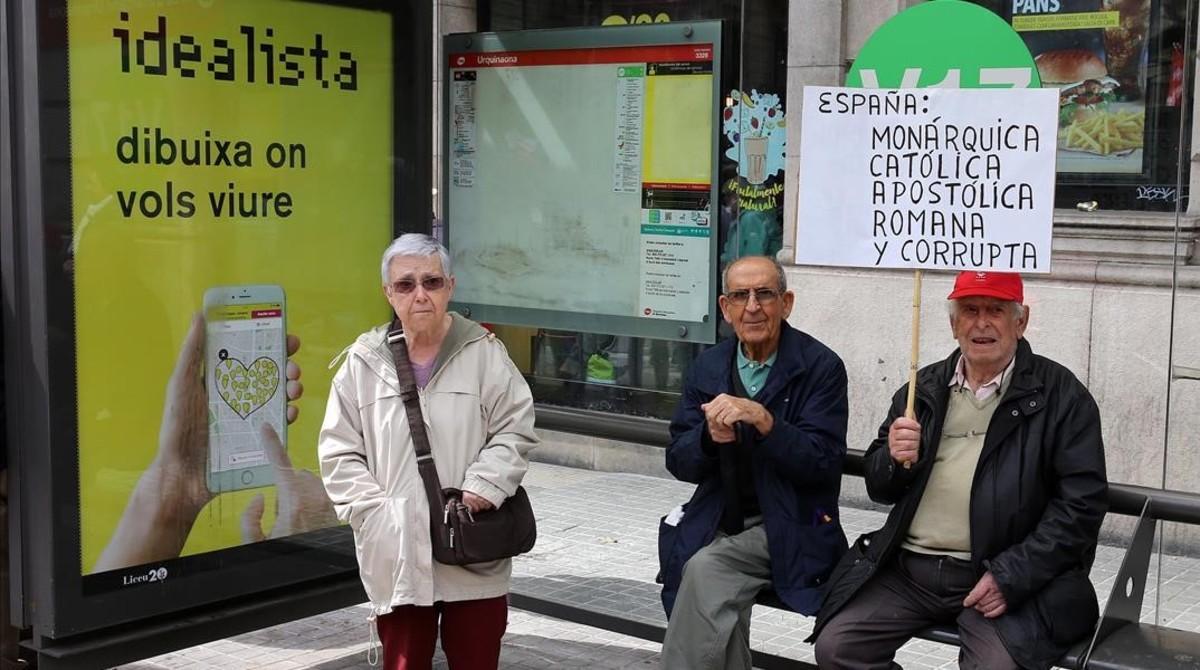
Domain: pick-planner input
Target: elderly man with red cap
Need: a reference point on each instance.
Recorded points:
(997, 489)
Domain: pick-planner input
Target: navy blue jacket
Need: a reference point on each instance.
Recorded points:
(797, 467)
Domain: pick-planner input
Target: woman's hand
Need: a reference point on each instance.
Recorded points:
(475, 503)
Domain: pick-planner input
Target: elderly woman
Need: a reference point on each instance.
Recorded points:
(479, 418)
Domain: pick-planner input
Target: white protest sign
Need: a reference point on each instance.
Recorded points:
(929, 178)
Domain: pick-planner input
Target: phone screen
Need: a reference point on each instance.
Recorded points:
(246, 384)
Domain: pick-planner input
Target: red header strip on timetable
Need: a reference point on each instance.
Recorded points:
(599, 56)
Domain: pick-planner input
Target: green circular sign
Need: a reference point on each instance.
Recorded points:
(945, 43)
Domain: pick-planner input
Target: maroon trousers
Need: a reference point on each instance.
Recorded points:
(471, 632)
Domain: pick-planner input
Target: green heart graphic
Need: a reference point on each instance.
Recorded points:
(247, 389)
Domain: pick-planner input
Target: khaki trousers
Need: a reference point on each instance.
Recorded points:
(710, 623)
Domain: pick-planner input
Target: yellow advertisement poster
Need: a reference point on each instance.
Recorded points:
(678, 129)
(231, 183)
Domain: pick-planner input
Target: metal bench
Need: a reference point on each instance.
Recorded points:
(1120, 640)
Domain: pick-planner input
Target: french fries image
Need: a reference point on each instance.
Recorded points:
(1104, 132)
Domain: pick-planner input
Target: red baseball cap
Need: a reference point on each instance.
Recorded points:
(1002, 285)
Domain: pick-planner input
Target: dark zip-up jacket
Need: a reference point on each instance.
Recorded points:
(797, 467)
(1037, 499)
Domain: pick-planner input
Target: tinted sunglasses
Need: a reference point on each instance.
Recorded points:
(430, 284)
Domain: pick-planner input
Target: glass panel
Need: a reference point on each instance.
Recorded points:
(217, 185)
(580, 177)
(755, 128)
(642, 376)
(1174, 606)
(1119, 65)
(1126, 118)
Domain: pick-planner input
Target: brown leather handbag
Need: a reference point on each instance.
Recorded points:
(458, 536)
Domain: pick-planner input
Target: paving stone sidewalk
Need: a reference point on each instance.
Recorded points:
(597, 546)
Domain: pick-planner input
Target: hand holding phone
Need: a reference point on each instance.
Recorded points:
(174, 487)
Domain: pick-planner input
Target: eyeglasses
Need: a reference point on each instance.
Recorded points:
(741, 296)
(430, 284)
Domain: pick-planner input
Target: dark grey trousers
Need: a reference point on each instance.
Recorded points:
(903, 598)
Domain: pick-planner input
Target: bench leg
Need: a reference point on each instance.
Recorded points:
(1124, 604)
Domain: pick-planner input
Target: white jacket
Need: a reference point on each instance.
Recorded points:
(479, 417)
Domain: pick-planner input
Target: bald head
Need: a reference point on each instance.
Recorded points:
(754, 259)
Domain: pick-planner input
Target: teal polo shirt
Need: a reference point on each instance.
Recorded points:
(753, 373)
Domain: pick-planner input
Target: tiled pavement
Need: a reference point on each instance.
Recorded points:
(596, 547)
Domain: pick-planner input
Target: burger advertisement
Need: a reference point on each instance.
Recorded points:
(1094, 52)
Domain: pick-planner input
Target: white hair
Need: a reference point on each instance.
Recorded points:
(414, 244)
(1018, 310)
(778, 270)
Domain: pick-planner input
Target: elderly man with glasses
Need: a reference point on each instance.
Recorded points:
(761, 430)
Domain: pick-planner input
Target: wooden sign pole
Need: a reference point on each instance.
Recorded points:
(909, 411)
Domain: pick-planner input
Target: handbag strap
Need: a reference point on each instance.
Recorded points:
(416, 423)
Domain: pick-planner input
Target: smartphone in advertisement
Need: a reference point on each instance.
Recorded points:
(244, 370)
